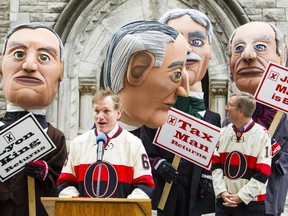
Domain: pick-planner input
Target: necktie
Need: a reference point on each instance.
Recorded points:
(190, 105)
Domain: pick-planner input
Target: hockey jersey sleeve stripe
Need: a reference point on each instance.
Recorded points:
(264, 168)
(262, 173)
(216, 163)
(65, 180)
(148, 190)
(65, 184)
(66, 177)
(260, 177)
(145, 179)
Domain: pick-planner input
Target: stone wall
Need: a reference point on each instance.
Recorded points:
(18, 11)
(274, 11)
(4, 18)
(14, 12)
(4, 26)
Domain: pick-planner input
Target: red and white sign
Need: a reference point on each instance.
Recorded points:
(273, 88)
(21, 142)
(188, 137)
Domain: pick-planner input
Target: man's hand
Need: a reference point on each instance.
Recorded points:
(165, 169)
(230, 200)
(37, 169)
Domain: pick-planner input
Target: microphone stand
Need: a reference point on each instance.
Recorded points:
(98, 178)
(101, 139)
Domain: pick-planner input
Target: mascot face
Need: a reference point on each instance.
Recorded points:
(199, 51)
(252, 47)
(148, 102)
(31, 68)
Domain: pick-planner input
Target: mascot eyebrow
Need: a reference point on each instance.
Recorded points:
(134, 37)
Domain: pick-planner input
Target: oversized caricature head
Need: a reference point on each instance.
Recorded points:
(197, 30)
(251, 47)
(145, 66)
(31, 65)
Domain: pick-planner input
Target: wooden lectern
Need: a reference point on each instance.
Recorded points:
(96, 206)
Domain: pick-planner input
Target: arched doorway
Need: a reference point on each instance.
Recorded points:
(86, 27)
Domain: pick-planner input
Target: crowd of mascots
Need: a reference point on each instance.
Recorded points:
(149, 68)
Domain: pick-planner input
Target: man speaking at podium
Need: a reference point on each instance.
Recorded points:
(120, 170)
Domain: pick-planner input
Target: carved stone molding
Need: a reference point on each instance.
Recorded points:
(87, 86)
(219, 91)
(87, 89)
(219, 87)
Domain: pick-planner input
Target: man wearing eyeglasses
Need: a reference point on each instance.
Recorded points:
(241, 163)
(251, 47)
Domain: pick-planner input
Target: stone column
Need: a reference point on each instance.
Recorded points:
(87, 89)
(219, 99)
(218, 88)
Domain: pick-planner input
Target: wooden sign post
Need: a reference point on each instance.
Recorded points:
(167, 186)
(31, 196)
(187, 137)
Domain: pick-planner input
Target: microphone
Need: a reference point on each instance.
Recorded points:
(101, 140)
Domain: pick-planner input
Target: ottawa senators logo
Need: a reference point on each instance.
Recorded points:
(108, 180)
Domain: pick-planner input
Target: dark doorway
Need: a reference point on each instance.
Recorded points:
(205, 88)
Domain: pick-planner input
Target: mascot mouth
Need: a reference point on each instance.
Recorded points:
(250, 72)
(28, 81)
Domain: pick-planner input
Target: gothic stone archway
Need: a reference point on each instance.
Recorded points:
(86, 27)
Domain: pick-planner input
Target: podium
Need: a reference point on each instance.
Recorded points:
(96, 206)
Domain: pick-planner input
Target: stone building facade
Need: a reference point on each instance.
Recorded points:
(85, 27)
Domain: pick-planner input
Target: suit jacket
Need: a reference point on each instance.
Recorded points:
(278, 181)
(14, 192)
(202, 205)
(190, 173)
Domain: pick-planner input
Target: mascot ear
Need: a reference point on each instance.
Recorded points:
(139, 67)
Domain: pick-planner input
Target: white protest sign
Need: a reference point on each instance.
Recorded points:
(188, 137)
(21, 142)
(273, 88)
